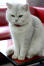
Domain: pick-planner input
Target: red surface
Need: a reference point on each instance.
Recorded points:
(33, 11)
(4, 33)
(39, 12)
(26, 60)
(3, 21)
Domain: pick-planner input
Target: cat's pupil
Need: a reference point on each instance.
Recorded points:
(20, 16)
(13, 15)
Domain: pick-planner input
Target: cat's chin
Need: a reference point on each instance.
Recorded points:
(18, 25)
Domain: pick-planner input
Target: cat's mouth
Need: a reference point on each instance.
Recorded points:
(18, 25)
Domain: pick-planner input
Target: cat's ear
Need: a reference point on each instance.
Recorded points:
(9, 5)
(25, 7)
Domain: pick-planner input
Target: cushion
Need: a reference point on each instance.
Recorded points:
(4, 33)
(3, 21)
(39, 12)
(33, 11)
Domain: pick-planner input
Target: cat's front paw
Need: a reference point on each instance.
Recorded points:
(29, 57)
(21, 58)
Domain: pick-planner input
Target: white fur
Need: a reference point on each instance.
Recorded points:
(28, 39)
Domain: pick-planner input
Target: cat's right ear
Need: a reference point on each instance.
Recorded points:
(9, 5)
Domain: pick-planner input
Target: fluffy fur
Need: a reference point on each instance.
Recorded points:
(26, 31)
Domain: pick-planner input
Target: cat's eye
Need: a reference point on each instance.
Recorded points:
(13, 15)
(20, 16)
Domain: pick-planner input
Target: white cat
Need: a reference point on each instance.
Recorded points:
(26, 31)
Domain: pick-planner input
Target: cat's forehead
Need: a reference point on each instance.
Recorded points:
(17, 7)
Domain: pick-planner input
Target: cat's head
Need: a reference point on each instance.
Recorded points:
(17, 14)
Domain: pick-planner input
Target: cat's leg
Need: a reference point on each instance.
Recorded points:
(22, 54)
(16, 50)
(23, 51)
(35, 48)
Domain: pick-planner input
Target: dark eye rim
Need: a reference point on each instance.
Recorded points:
(20, 15)
(12, 15)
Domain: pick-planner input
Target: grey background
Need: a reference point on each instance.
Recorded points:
(36, 3)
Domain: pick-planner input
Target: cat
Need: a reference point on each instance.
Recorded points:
(26, 30)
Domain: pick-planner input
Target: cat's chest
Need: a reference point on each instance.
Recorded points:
(19, 30)
(25, 32)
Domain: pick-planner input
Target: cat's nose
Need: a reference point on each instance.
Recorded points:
(16, 20)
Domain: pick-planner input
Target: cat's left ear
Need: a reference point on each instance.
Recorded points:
(9, 5)
(26, 7)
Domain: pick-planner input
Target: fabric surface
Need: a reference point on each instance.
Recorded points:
(39, 12)
(3, 21)
(4, 33)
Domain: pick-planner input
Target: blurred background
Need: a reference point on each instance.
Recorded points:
(30, 2)
(36, 3)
